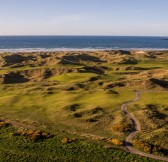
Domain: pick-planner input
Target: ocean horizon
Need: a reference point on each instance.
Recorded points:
(81, 43)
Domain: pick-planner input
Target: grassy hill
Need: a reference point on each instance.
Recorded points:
(78, 95)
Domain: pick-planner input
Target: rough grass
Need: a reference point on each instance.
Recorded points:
(152, 113)
(82, 104)
(17, 148)
(48, 109)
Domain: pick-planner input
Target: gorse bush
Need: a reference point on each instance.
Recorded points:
(149, 148)
(68, 140)
(33, 135)
(116, 142)
(122, 127)
(3, 124)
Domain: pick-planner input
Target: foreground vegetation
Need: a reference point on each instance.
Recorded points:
(15, 147)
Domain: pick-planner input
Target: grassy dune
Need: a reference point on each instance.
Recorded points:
(48, 91)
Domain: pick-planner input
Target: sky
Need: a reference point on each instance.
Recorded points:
(84, 17)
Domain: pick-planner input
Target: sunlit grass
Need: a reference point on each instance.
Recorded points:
(73, 77)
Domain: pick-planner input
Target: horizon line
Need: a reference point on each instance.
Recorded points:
(89, 35)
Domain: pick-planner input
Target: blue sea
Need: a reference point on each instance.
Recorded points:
(73, 43)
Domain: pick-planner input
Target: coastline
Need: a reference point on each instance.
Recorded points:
(22, 50)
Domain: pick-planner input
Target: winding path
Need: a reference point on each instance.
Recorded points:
(136, 128)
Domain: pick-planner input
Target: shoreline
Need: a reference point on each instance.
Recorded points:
(22, 50)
